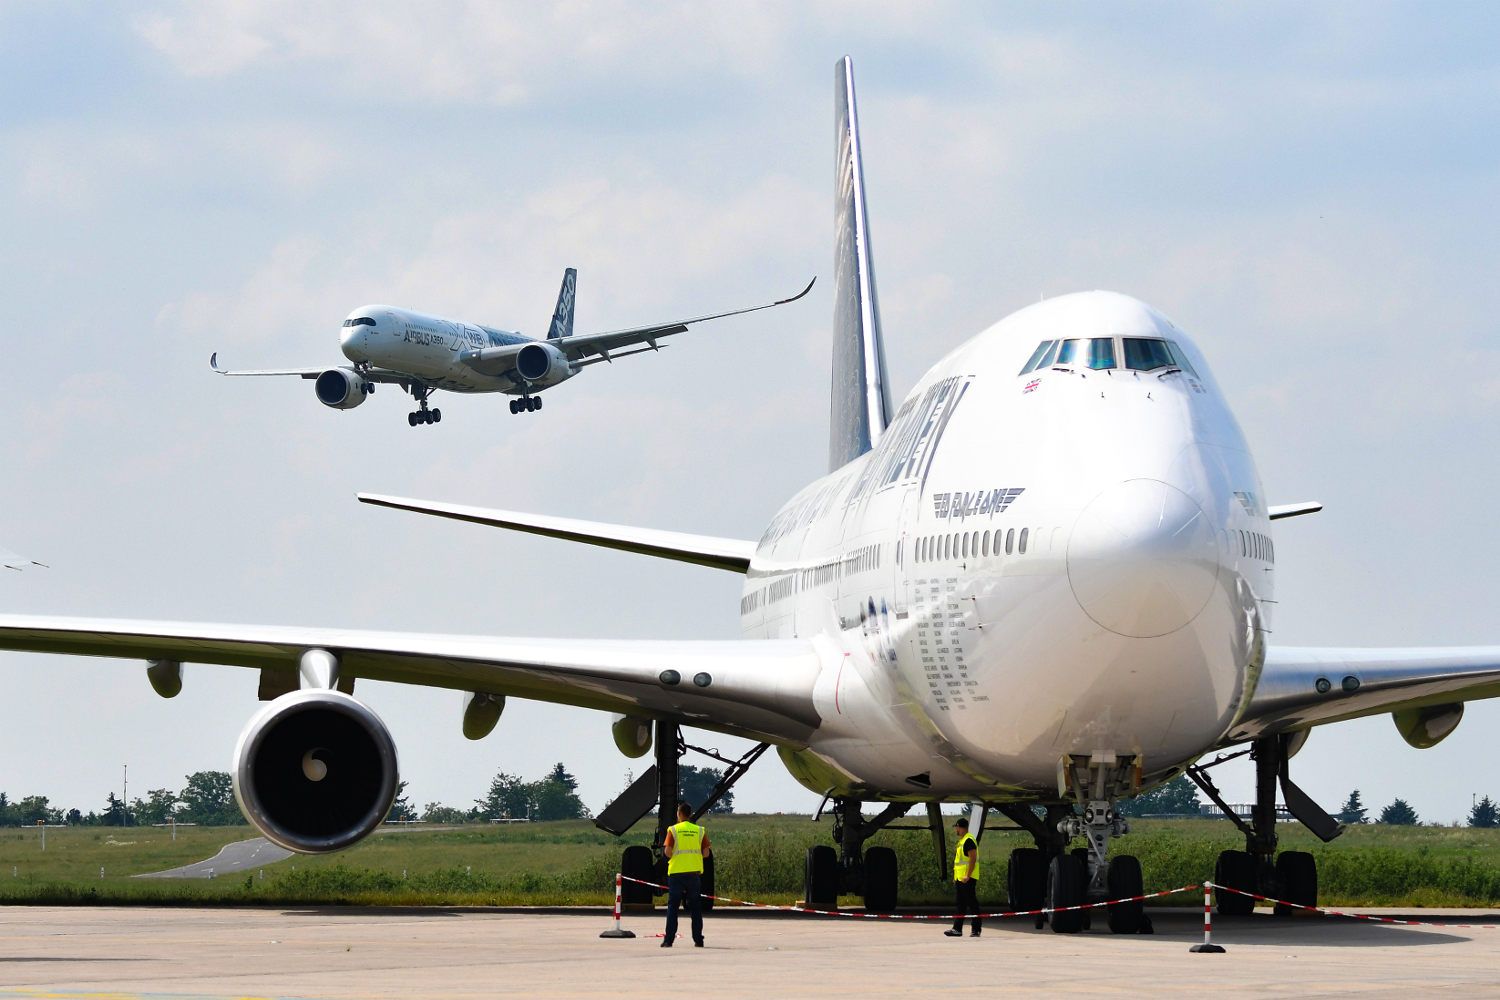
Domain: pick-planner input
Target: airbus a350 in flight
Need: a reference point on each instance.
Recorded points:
(423, 354)
(1041, 583)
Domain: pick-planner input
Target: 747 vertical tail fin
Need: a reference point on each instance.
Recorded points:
(861, 406)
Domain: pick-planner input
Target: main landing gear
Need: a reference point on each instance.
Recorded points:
(422, 415)
(526, 404)
(851, 868)
(1290, 875)
(658, 788)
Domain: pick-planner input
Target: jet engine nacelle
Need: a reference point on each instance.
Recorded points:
(341, 388)
(542, 365)
(315, 771)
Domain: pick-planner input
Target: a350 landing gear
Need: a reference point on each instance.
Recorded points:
(526, 404)
(422, 415)
(1290, 875)
(871, 873)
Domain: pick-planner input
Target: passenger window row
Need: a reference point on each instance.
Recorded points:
(970, 545)
(1142, 354)
(1254, 545)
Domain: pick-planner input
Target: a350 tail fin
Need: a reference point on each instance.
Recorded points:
(562, 316)
(861, 406)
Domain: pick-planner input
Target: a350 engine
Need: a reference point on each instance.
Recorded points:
(315, 771)
(542, 365)
(341, 388)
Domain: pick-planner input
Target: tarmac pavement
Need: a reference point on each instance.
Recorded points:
(89, 953)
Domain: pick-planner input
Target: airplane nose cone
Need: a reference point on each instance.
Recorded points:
(1143, 559)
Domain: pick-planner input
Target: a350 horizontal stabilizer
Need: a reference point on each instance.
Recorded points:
(731, 554)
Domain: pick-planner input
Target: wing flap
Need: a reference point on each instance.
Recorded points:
(1362, 682)
(758, 689)
(730, 554)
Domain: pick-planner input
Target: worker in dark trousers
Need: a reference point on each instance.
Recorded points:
(965, 880)
(685, 848)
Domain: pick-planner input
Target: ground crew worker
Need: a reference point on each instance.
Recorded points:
(965, 880)
(686, 847)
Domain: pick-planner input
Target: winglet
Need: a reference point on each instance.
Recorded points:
(213, 362)
(794, 298)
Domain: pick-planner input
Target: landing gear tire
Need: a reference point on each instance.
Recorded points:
(820, 883)
(1298, 874)
(437, 415)
(1067, 880)
(1026, 881)
(636, 862)
(1124, 880)
(411, 420)
(880, 880)
(538, 402)
(1236, 870)
(706, 883)
(513, 409)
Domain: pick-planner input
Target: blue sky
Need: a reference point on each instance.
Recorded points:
(1312, 192)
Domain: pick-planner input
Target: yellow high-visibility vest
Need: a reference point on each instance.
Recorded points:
(687, 849)
(961, 859)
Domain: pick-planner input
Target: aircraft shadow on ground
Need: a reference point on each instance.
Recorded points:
(1264, 929)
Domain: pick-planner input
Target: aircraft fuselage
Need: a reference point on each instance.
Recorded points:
(428, 347)
(1068, 561)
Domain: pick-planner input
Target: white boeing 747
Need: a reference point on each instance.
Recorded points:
(423, 354)
(1041, 583)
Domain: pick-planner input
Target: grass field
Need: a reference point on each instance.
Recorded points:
(758, 857)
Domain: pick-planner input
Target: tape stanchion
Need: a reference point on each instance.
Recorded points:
(1208, 947)
(615, 930)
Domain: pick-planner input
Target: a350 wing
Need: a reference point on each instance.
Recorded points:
(589, 348)
(373, 375)
(758, 689)
(1362, 682)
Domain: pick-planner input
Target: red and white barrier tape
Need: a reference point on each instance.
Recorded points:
(1352, 916)
(923, 916)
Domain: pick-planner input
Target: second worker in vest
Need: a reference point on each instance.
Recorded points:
(965, 880)
(686, 847)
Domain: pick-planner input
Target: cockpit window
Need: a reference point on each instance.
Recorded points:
(1035, 361)
(1145, 355)
(1102, 353)
(1181, 359)
(359, 321)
